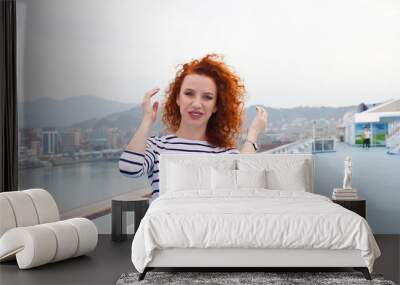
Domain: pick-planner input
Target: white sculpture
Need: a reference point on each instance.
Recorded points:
(347, 173)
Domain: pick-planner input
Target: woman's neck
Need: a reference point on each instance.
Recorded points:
(198, 134)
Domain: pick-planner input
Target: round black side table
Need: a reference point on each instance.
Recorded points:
(130, 202)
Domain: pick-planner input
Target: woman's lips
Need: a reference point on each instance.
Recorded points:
(195, 115)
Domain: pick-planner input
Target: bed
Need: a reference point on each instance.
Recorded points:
(247, 210)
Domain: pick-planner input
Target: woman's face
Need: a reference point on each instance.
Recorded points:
(197, 99)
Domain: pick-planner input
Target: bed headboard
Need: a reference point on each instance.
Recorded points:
(282, 164)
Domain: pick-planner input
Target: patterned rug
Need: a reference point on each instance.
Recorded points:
(269, 278)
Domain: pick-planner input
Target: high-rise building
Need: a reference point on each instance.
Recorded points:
(114, 138)
(36, 148)
(26, 136)
(50, 141)
(77, 138)
(68, 142)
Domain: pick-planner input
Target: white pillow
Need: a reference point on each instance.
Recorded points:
(223, 179)
(289, 179)
(184, 177)
(201, 160)
(282, 173)
(236, 179)
(251, 178)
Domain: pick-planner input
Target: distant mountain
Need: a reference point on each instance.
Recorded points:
(125, 120)
(132, 118)
(94, 112)
(278, 116)
(122, 120)
(48, 112)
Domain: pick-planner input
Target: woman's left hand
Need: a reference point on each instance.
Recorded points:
(258, 124)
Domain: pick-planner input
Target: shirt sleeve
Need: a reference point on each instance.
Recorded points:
(133, 164)
(233, 151)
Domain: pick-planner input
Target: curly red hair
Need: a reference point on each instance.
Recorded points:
(224, 126)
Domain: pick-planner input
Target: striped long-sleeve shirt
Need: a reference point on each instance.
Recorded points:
(133, 164)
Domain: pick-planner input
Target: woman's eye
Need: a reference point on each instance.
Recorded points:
(209, 97)
(188, 93)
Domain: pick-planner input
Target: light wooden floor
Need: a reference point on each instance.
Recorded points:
(111, 259)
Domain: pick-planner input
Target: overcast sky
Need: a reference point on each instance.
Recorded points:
(288, 53)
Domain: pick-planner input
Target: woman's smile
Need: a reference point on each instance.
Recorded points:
(195, 115)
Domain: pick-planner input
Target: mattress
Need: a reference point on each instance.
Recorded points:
(250, 219)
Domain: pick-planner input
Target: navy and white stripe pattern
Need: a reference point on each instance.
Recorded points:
(133, 164)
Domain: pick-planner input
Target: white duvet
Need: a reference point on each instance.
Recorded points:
(252, 218)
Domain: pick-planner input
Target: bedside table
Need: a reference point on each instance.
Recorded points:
(134, 202)
(357, 206)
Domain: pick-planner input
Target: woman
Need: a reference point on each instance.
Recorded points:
(202, 113)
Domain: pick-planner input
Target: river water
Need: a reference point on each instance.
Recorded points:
(78, 185)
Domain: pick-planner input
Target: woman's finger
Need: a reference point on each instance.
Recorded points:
(150, 93)
(264, 112)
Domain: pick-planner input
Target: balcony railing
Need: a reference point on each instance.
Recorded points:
(306, 146)
(324, 145)
(300, 146)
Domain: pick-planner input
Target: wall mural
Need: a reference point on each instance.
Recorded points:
(83, 73)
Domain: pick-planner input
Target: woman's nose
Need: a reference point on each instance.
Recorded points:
(196, 102)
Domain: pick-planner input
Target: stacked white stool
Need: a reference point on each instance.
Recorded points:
(31, 230)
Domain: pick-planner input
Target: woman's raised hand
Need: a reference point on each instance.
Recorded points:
(150, 111)
(139, 139)
(258, 124)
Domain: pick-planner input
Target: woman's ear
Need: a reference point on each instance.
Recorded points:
(177, 100)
